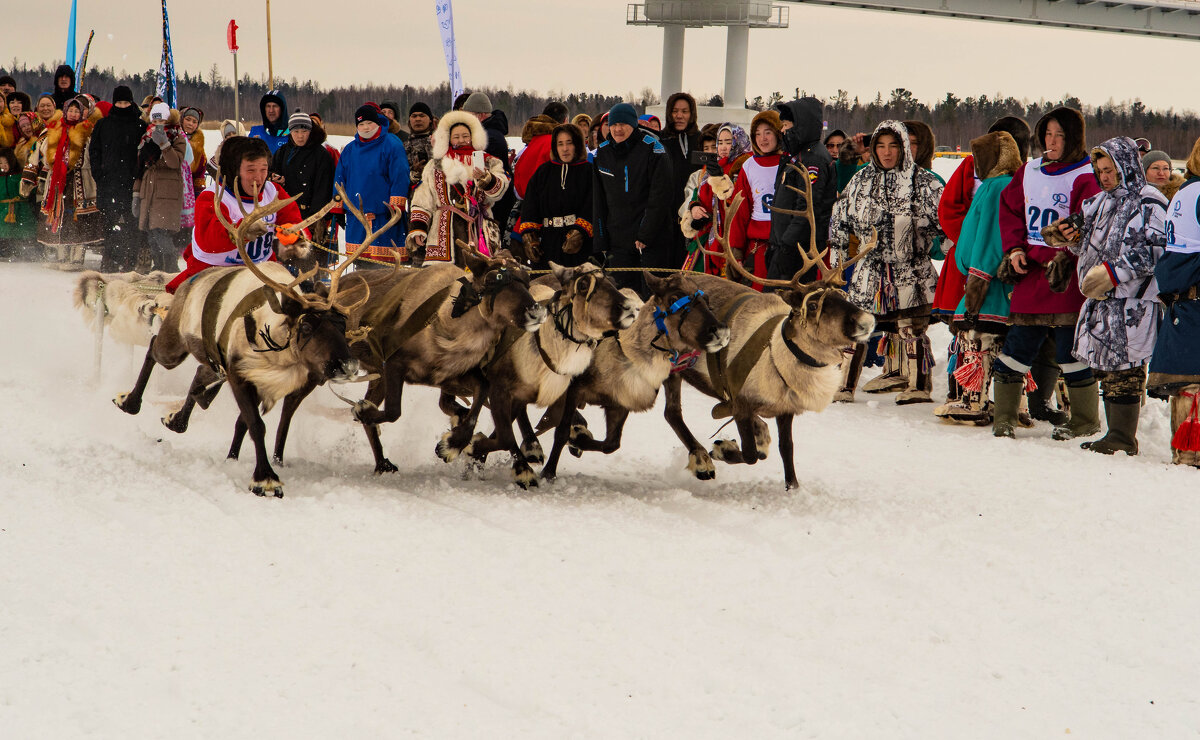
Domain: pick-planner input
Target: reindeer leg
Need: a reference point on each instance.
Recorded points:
(290, 403)
(783, 423)
(265, 480)
(376, 391)
(562, 430)
(453, 442)
(131, 402)
(239, 433)
(728, 451)
(503, 413)
(450, 406)
(699, 461)
(614, 420)
(531, 448)
(198, 393)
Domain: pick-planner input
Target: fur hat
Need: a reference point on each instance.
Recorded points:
(1016, 128)
(996, 154)
(537, 126)
(770, 118)
(582, 119)
(478, 102)
(1073, 127)
(441, 135)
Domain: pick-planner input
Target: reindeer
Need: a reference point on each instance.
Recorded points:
(537, 368)
(128, 312)
(434, 326)
(669, 334)
(250, 325)
(782, 358)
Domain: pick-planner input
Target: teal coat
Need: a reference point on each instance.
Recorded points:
(980, 251)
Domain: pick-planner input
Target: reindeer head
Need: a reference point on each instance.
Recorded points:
(683, 315)
(500, 285)
(312, 325)
(592, 301)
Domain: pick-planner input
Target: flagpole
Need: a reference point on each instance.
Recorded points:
(270, 64)
(236, 117)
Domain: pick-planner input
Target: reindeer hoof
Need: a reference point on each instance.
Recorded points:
(723, 449)
(175, 423)
(578, 432)
(385, 466)
(469, 450)
(263, 487)
(126, 404)
(525, 477)
(446, 450)
(701, 465)
(362, 411)
(533, 453)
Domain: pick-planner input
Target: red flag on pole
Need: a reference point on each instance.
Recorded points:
(231, 36)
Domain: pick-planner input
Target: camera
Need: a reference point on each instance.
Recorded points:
(708, 160)
(1075, 221)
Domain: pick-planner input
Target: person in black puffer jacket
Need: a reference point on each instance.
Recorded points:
(303, 166)
(803, 148)
(633, 203)
(113, 155)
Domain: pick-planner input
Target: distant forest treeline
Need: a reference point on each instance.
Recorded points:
(955, 120)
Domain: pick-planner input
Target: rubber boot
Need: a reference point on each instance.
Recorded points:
(852, 364)
(1122, 429)
(1045, 374)
(1085, 412)
(918, 364)
(892, 378)
(1007, 389)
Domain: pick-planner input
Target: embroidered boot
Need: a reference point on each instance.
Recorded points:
(852, 363)
(892, 378)
(1185, 426)
(918, 367)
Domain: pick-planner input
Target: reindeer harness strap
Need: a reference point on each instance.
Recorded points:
(416, 322)
(727, 378)
(799, 354)
(680, 361)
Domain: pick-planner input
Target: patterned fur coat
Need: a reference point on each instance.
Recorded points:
(901, 204)
(1124, 230)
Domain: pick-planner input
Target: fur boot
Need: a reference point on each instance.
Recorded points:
(1182, 405)
(892, 378)
(852, 364)
(1122, 429)
(974, 408)
(1085, 412)
(918, 367)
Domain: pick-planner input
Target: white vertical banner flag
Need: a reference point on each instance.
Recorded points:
(445, 18)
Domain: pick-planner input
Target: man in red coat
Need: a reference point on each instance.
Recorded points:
(248, 162)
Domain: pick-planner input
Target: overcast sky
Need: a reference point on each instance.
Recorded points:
(584, 45)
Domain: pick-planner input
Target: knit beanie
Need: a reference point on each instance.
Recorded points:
(394, 107)
(191, 112)
(300, 119)
(479, 102)
(121, 92)
(1155, 156)
(366, 112)
(622, 113)
(419, 107)
(160, 112)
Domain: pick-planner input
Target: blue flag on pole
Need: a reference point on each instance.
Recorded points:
(71, 34)
(166, 68)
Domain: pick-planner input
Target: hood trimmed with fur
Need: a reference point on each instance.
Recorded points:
(996, 154)
(441, 135)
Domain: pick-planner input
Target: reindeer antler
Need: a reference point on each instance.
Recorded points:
(728, 209)
(297, 228)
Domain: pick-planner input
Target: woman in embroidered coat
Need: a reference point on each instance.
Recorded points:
(896, 280)
(556, 215)
(1124, 232)
(454, 200)
(70, 218)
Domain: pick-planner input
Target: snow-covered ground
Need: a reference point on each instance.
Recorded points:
(926, 581)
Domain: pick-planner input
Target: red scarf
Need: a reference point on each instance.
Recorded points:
(53, 205)
(462, 154)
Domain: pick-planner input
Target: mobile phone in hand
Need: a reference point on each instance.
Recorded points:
(477, 160)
